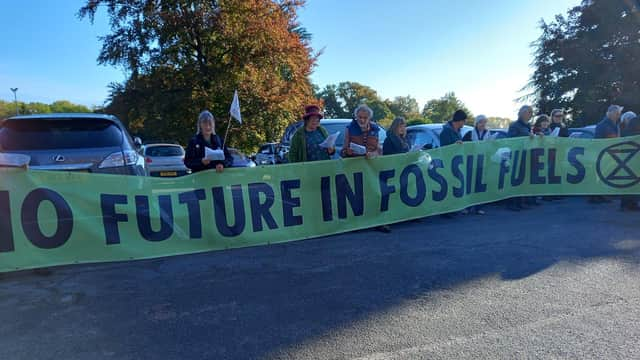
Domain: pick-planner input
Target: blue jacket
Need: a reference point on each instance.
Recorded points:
(448, 135)
(607, 129)
(519, 128)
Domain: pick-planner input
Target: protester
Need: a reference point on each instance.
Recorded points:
(450, 133)
(557, 121)
(396, 142)
(521, 128)
(542, 125)
(206, 137)
(625, 119)
(607, 128)
(480, 131)
(361, 131)
(631, 128)
(305, 142)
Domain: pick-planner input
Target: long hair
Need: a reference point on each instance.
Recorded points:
(540, 119)
(396, 124)
(206, 116)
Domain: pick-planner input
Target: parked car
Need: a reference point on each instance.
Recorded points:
(268, 154)
(240, 159)
(587, 132)
(164, 160)
(93, 143)
(428, 135)
(499, 133)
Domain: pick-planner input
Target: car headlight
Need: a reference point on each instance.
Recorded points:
(117, 159)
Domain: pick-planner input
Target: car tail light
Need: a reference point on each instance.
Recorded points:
(116, 159)
(148, 160)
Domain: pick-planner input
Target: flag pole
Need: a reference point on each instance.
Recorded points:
(227, 132)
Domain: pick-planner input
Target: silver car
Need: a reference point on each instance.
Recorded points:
(428, 135)
(164, 160)
(73, 142)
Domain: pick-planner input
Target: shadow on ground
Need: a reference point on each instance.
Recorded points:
(261, 302)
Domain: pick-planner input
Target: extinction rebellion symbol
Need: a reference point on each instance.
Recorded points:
(617, 165)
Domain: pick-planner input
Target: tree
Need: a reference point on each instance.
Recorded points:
(341, 100)
(405, 106)
(8, 108)
(441, 110)
(588, 60)
(186, 56)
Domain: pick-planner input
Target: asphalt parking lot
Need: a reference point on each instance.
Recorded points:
(558, 281)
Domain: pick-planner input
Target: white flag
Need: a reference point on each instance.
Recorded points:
(235, 107)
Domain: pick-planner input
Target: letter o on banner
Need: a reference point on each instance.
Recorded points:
(29, 217)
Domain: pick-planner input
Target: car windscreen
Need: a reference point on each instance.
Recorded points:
(156, 151)
(333, 128)
(421, 137)
(42, 134)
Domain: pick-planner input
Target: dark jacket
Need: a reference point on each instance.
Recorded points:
(370, 140)
(393, 144)
(195, 153)
(564, 131)
(519, 128)
(632, 128)
(449, 135)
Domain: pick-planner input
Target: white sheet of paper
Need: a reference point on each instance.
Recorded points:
(213, 155)
(491, 136)
(14, 160)
(357, 149)
(416, 147)
(555, 132)
(330, 141)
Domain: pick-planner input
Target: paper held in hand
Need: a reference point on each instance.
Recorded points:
(416, 147)
(555, 132)
(213, 155)
(330, 141)
(14, 160)
(358, 149)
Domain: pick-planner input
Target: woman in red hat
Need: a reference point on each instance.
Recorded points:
(305, 143)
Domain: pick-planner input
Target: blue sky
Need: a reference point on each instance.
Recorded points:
(479, 49)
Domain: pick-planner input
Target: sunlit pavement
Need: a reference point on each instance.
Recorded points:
(558, 281)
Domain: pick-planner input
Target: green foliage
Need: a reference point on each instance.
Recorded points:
(405, 106)
(8, 108)
(441, 110)
(341, 100)
(588, 59)
(187, 56)
(418, 121)
(498, 122)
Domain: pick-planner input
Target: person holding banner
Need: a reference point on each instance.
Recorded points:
(308, 142)
(557, 121)
(396, 142)
(607, 128)
(361, 137)
(631, 128)
(541, 126)
(479, 133)
(451, 130)
(521, 128)
(195, 155)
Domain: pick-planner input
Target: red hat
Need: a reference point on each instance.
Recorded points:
(312, 110)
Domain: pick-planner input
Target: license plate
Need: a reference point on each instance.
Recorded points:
(168, 173)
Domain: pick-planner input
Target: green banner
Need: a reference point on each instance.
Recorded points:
(54, 218)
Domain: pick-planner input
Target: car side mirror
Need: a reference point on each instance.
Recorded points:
(137, 142)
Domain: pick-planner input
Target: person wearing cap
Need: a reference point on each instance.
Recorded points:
(557, 121)
(206, 137)
(480, 131)
(396, 141)
(361, 131)
(305, 142)
(608, 127)
(450, 133)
